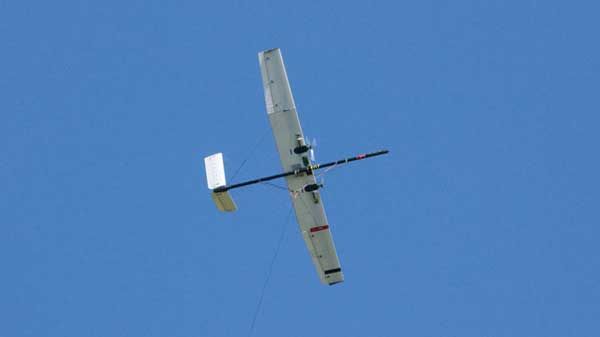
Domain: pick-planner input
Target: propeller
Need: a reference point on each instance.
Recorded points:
(312, 145)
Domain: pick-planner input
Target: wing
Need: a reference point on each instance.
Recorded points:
(293, 155)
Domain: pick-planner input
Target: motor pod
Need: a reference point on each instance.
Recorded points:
(312, 187)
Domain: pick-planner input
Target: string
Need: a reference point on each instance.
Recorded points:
(270, 272)
(250, 154)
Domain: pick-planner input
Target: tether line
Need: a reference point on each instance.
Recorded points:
(264, 288)
(250, 154)
(275, 186)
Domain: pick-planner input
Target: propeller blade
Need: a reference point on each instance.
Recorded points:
(313, 145)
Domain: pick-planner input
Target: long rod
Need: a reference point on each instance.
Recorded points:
(307, 169)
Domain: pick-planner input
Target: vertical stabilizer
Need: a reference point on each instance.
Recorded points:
(215, 171)
(215, 177)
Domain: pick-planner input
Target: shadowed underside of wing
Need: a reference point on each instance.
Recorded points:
(290, 139)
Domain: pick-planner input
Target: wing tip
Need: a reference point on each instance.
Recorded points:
(333, 276)
(270, 50)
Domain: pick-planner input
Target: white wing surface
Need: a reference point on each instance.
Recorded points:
(294, 155)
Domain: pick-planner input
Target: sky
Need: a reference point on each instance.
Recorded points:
(482, 221)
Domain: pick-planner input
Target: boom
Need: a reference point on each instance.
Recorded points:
(309, 169)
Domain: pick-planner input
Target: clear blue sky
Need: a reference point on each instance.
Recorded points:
(483, 220)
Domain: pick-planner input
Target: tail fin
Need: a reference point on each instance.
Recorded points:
(215, 177)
